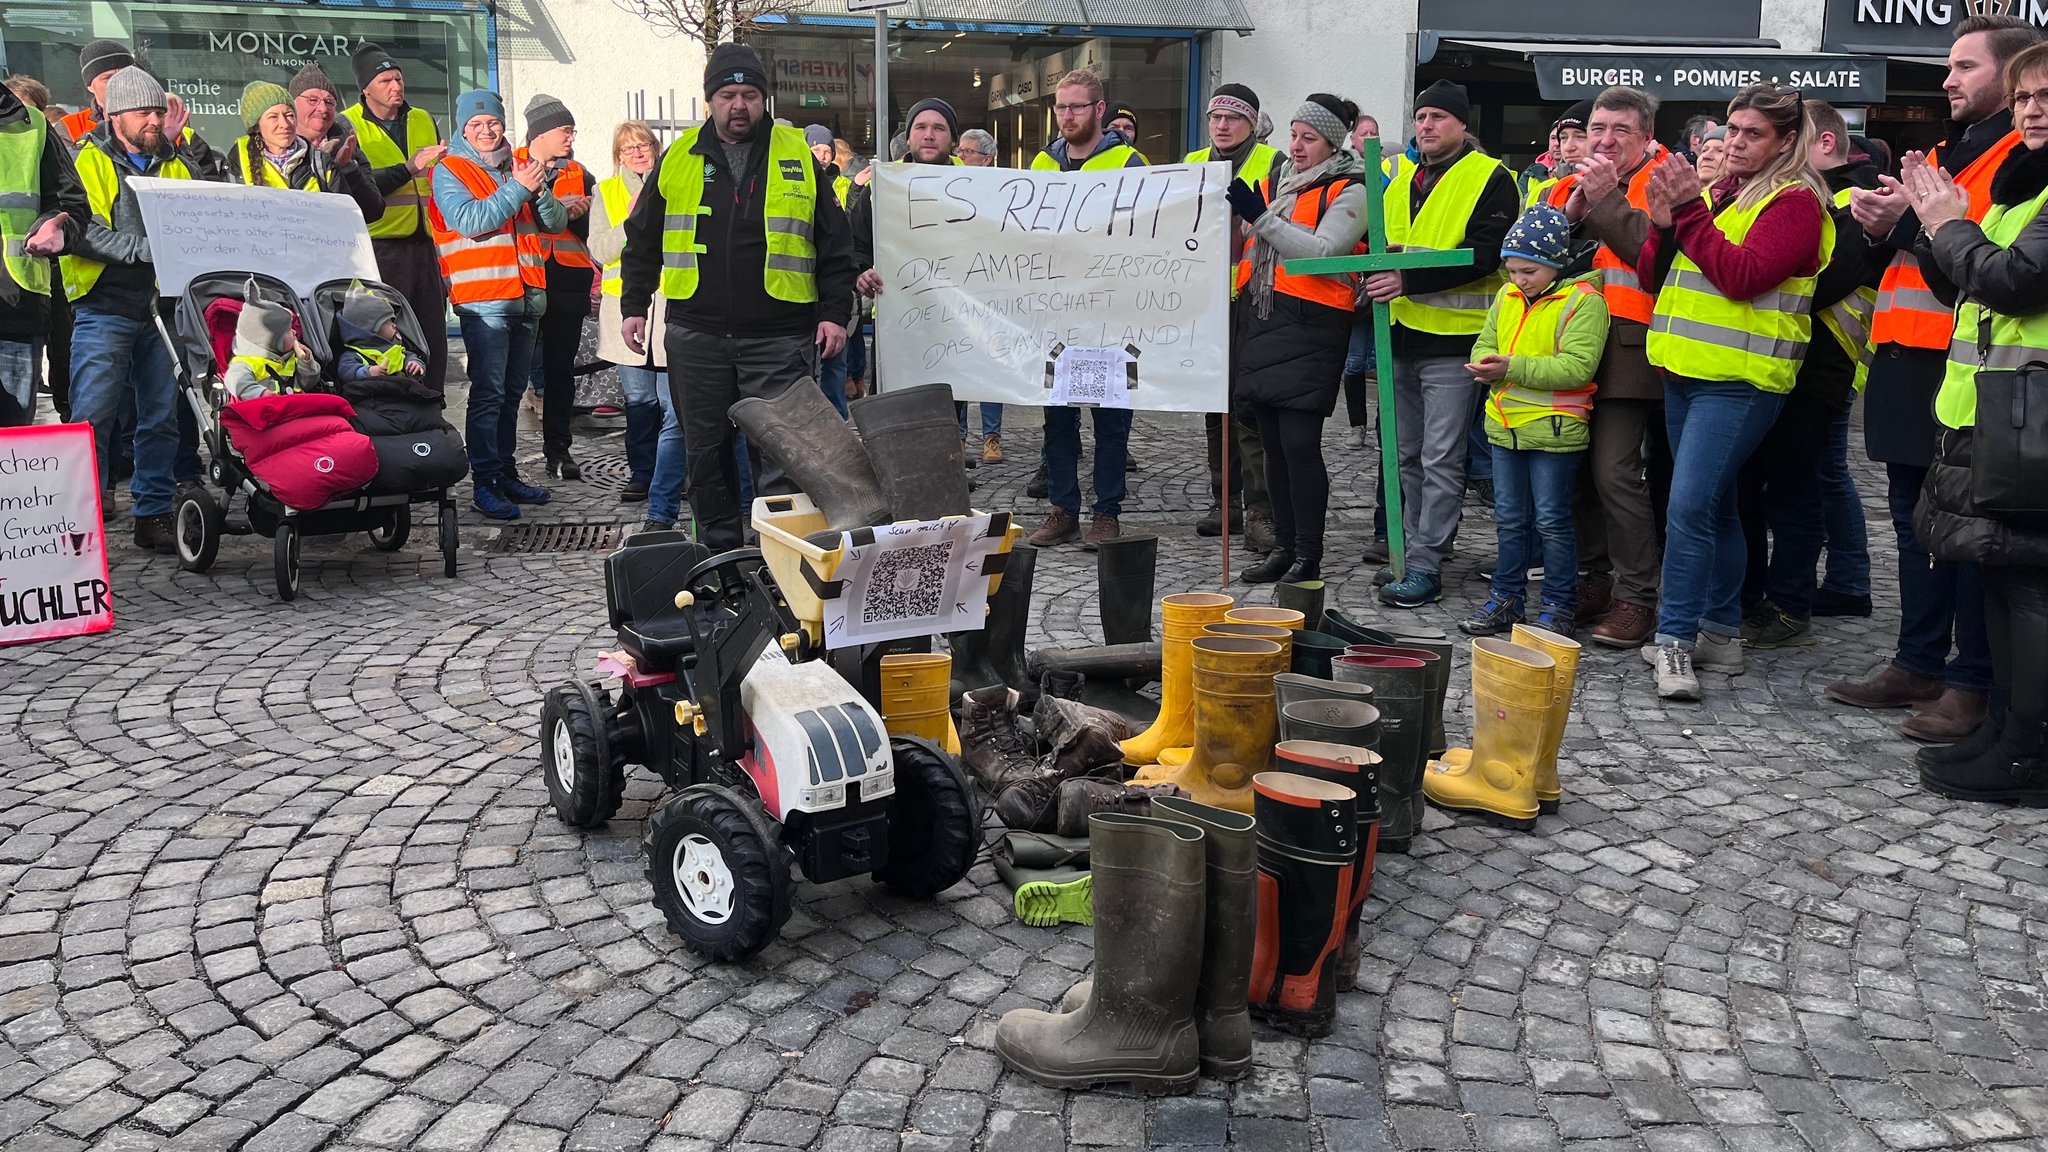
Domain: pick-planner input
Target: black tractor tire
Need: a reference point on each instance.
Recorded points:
(934, 826)
(585, 775)
(720, 874)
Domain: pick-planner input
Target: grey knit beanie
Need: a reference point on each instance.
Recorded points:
(262, 326)
(544, 113)
(365, 309)
(133, 90)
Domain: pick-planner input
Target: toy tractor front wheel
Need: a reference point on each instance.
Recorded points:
(934, 828)
(721, 876)
(585, 773)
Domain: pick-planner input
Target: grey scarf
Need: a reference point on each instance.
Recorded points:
(1290, 184)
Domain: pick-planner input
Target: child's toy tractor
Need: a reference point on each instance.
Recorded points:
(776, 760)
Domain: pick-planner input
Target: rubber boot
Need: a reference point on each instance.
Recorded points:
(915, 686)
(1235, 722)
(1431, 640)
(1565, 652)
(1432, 662)
(1312, 653)
(1124, 569)
(1293, 687)
(1308, 851)
(1359, 770)
(1108, 662)
(1400, 690)
(1305, 598)
(1138, 1023)
(1292, 619)
(1333, 722)
(1512, 688)
(1183, 615)
(1175, 757)
(995, 654)
(819, 453)
(913, 437)
(1345, 628)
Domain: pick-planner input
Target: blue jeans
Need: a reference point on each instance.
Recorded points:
(1358, 359)
(1714, 425)
(1938, 600)
(18, 361)
(500, 350)
(1478, 449)
(991, 419)
(1848, 542)
(114, 358)
(856, 354)
(642, 388)
(1063, 458)
(832, 376)
(1532, 509)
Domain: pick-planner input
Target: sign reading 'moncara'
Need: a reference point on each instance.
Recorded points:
(1837, 79)
(990, 274)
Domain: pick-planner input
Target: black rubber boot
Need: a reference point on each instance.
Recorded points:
(1333, 722)
(1400, 693)
(914, 440)
(1432, 640)
(1305, 597)
(1359, 771)
(819, 453)
(1308, 848)
(1351, 631)
(1124, 570)
(1312, 652)
(995, 654)
(1293, 687)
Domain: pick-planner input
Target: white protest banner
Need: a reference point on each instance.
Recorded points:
(989, 274)
(303, 238)
(911, 579)
(53, 548)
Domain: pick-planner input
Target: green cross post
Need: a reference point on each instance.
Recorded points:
(1379, 259)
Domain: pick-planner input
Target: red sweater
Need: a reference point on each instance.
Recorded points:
(1783, 243)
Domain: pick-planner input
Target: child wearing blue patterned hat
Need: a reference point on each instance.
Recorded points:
(1537, 353)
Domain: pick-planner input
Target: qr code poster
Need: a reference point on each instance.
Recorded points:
(907, 580)
(1097, 377)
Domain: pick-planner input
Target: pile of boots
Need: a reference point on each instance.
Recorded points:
(1521, 699)
(1236, 721)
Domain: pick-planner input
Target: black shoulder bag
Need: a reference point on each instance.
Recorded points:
(2009, 447)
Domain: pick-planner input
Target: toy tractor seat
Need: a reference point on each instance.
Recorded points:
(641, 580)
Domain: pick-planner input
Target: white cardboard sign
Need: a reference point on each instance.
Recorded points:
(303, 238)
(990, 273)
(53, 548)
(915, 578)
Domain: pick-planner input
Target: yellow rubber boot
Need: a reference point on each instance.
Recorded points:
(1511, 695)
(1175, 756)
(1565, 651)
(1236, 722)
(914, 690)
(1291, 619)
(1185, 615)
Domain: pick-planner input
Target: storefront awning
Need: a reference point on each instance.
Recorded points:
(1193, 15)
(1573, 71)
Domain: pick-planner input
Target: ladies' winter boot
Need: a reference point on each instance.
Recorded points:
(1124, 569)
(1308, 851)
(819, 453)
(1359, 770)
(1184, 615)
(1400, 690)
(1512, 688)
(914, 441)
(1565, 652)
(1235, 722)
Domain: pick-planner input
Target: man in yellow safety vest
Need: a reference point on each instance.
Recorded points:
(401, 145)
(42, 210)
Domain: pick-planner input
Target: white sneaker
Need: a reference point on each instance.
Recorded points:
(1675, 679)
(1713, 654)
(1649, 652)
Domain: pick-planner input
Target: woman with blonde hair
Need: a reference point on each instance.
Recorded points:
(1737, 265)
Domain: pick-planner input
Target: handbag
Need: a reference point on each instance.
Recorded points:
(2009, 458)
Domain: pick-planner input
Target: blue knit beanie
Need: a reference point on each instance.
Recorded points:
(1542, 235)
(480, 102)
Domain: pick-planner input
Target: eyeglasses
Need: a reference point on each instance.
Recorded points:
(1071, 109)
(636, 146)
(2020, 100)
(971, 152)
(318, 101)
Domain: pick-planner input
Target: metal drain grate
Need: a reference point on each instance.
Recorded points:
(556, 538)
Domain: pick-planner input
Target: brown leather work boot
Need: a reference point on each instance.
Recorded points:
(988, 729)
(1100, 528)
(1080, 799)
(1953, 717)
(1892, 687)
(1596, 596)
(1060, 527)
(1259, 533)
(1628, 625)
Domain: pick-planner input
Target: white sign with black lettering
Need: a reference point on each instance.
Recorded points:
(990, 274)
(916, 578)
(303, 238)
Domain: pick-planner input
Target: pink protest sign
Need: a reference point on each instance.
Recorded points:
(53, 549)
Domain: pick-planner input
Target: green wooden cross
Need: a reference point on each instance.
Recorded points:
(1379, 259)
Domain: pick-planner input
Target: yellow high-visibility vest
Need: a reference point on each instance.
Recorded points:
(102, 188)
(790, 217)
(1117, 157)
(1257, 166)
(1848, 319)
(257, 171)
(404, 205)
(21, 199)
(1440, 226)
(2016, 341)
(617, 203)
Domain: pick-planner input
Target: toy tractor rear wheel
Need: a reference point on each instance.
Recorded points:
(934, 827)
(585, 773)
(720, 874)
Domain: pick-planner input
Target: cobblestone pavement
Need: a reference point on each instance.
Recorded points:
(283, 876)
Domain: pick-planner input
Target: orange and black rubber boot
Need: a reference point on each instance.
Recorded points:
(1308, 845)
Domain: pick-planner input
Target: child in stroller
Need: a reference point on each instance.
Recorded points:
(268, 357)
(371, 344)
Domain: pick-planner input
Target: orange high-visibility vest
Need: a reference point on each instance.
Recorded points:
(1626, 299)
(81, 123)
(500, 264)
(1908, 312)
(563, 246)
(1331, 291)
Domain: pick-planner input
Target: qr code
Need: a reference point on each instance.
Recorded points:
(907, 584)
(1089, 382)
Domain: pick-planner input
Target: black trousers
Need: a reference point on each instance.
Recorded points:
(707, 375)
(410, 266)
(2016, 618)
(59, 361)
(1781, 495)
(561, 337)
(1296, 477)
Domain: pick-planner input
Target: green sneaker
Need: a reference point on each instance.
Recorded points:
(1044, 904)
(1776, 630)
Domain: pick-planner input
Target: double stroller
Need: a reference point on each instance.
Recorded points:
(416, 459)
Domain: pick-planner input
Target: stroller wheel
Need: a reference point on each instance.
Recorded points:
(392, 535)
(285, 560)
(451, 539)
(197, 527)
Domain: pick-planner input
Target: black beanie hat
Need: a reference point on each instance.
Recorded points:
(734, 64)
(934, 104)
(1449, 97)
(101, 57)
(1578, 114)
(1122, 112)
(312, 78)
(370, 61)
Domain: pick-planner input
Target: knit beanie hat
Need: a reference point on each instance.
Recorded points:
(133, 90)
(1542, 235)
(1328, 121)
(544, 113)
(101, 57)
(258, 97)
(1122, 112)
(1237, 100)
(734, 64)
(477, 102)
(934, 104)
(262, 326)
(1449, 97)
(365, 309)
(816, 134)
(312, 78)
(370, 61)
(1577, 115)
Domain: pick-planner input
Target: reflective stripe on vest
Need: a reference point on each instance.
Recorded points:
(788, 215)
(500, 264)
(402, 205)
(21, 200)
(1908, 312)
(1339, 291)
(1848, 319)
(617, 204)
(1699, 333)
(2016, 341)
(257, 171)
(1257, 166)
(1440, 226)
(1117, 157)
(1512, 405)
(564, 247)
(281, 375)
(102, 188)
(1619, 283)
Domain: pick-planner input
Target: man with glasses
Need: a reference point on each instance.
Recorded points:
(316, 107)
(977, 149)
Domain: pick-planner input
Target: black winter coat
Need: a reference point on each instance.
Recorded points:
(1294, 356)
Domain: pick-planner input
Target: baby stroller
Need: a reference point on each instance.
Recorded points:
(205, 320)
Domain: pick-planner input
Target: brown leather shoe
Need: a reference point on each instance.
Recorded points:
(1628, 625)
(1060, 527)
(1100, 528)
(1953, 717)
(1596, 596)
(1892, 687)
